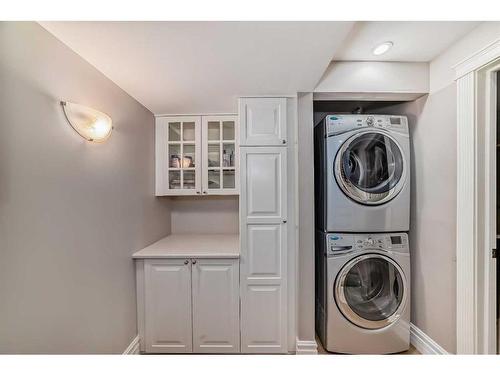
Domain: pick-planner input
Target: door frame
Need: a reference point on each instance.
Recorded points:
(476, 201)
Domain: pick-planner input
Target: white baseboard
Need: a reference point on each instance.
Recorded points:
(423, 343)
(306, 347)
(133, 347)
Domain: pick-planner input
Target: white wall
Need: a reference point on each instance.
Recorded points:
(211, 214)
(71, 212)
(442, 73)
(352, 79)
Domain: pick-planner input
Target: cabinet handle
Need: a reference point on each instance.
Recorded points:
(283, 141)
(284, 221)
(194, 261)
(197, 192)
(204, 192)
(186, 261)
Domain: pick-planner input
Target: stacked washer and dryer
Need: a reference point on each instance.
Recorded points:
(362, 204)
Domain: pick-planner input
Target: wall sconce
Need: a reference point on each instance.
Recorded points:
(91, 124)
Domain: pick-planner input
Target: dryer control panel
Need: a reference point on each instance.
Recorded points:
(341, 243)
(336, 124)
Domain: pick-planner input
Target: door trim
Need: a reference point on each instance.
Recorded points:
(476, 195)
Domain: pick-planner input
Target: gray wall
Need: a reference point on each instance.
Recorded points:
(305, 283)
(71, 212)
(433, 217)
(211, 214)
(432, 121)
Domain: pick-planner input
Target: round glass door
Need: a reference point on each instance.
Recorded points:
(370, 291)
(370, 168)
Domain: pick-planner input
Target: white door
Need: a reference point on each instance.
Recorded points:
(178, 155)
(168, 326)
(263, 319)
(263, 289)
(220, 155)
(263, 184)
(216, 306)
(262, 121)
(263, 217)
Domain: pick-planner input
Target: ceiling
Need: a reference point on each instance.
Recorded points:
(413, 41)
(202, 67)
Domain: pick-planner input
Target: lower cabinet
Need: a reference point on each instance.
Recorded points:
(188, 305)
(167, 310)
(263, 289)
(216, 301)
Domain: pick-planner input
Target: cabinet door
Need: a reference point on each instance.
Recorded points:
(263, 184)
(262, 121)
(216, 306)
(168, 326)
(178, 155)
(220, 155)
(263, 210)
(264, 289)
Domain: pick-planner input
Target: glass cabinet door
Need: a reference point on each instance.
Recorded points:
(196, 155)
(219, 154)
(182, 152)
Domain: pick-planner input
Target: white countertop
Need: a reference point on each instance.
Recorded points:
(194, 246)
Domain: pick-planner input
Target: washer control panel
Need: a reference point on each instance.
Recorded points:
(336, 124)
(338, 243)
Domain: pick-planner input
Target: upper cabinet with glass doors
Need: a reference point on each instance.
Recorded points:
(219, 152)
(197, 155)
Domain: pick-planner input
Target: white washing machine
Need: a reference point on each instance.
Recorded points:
(362, 173)
(363, 292)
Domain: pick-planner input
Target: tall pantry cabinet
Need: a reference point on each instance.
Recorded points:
(263, 224)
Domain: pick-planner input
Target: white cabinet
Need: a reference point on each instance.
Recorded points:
(262, 121)
(264, 319)
(220, 155)
(178, 155)
(215, 306)
(188, 305)
(263, 226)
(263, 289)
(263, 184)
(168, 306)
(196, 155)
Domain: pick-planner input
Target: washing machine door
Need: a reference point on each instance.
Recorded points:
(370, 291)
(370, 167)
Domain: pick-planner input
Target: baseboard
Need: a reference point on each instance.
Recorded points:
(423, 343)
(133, 347)
(306, 347)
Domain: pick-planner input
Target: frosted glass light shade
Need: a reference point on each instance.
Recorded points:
(91, 124)
(382, 48)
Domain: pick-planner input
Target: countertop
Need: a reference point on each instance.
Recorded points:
(193, 246)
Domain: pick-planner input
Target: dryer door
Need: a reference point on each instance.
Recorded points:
(370, 291)
(370, 167)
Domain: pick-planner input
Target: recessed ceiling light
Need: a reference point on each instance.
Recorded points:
(382, 48)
